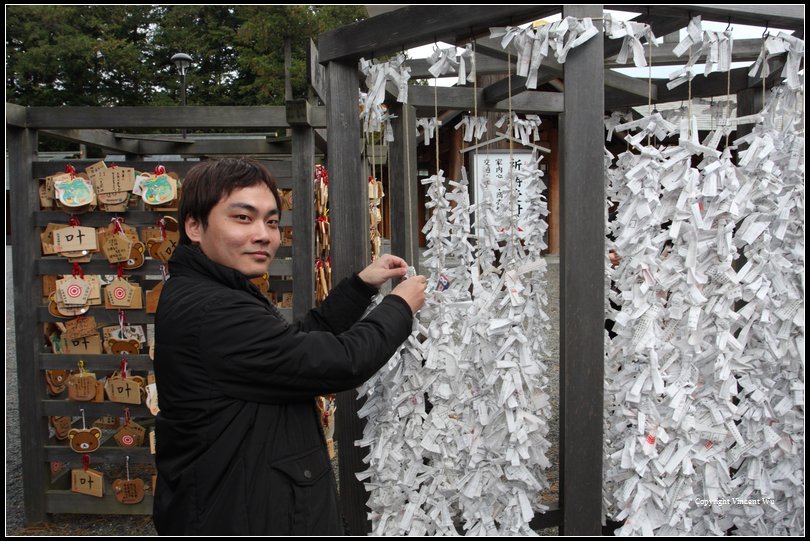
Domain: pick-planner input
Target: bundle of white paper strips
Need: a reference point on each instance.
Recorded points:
(526, 130)
(704, 380)
(778, 45)
(476, 453)
(442, 61)
(474, 127)
(533, 45)
(631, 32)
(428, 125)
(467, 55)
(373, 113)
(716, 46)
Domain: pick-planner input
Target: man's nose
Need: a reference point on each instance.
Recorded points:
(261, 233)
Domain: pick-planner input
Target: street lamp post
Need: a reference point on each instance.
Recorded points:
(182, 61)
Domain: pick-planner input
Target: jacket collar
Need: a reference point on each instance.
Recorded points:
(189, 260)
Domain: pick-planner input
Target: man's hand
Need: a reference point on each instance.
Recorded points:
(412, 291)
(382, 270)
(614, 257)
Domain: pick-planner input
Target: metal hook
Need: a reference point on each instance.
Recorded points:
(765, 33)
(729, 25)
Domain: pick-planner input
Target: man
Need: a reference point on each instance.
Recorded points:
(239, 444)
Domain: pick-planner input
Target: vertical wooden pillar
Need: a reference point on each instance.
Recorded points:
(22, 146)
(582, 295)
(303, 249)
(348, 197)
(402, 188)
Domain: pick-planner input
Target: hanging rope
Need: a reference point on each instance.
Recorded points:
(649, 89)
(689, 104)
(478, 196)
(512, 225)
(408, 182)
(728, 103)
(436, 118)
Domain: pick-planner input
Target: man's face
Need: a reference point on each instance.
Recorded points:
(242, 231)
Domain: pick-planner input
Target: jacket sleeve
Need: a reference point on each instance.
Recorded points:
(254, 356)
(345, 304)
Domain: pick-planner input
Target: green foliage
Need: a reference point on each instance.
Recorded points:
(121, 54)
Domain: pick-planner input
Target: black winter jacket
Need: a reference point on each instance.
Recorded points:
(239, 445)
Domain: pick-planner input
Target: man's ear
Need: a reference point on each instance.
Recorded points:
(194, 229)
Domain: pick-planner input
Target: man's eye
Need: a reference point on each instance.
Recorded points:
(243, 218)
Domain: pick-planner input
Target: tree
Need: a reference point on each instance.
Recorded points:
(207, 34)
(121, 54)
(261, 40)
(77, 55)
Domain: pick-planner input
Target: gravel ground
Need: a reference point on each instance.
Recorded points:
(117, 525)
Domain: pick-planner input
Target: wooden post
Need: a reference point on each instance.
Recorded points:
(348, 197)
(22, 147)
(402, 188)
(303, 248)
(582, 295)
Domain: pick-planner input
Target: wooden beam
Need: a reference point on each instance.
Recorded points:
(776, 16)
(22, 147)
(457, 97)
(661, 26)
(98, 138)
(402, 187)
(484, 65)
(383, 34)
(749, 101)
(316, 73)
(744, 50)
(16, 115)
(64, 501)
(703, 87)
(502, 89)
(582, 280)
(532, 101)
(303, 171)
(41, 169)
(716, 84)
(208, 147)
(630, 85)
(299, 112)
(50, 361)
(246, 144)
(321, 140)
(157, 117)
(348, 198)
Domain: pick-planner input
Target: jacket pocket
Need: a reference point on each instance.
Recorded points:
(312, 505)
